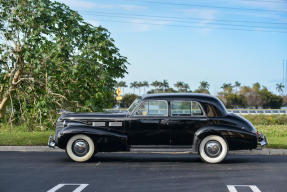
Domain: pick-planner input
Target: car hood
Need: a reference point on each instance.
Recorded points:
(93, 116)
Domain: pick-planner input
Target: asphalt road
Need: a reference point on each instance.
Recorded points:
(135, 172)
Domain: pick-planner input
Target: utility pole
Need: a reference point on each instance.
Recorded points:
(284, 75)
(285, 78)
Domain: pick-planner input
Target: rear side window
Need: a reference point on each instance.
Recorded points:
(153, 108)
(186, 108)
(212, 111)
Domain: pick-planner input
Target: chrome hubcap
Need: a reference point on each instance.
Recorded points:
(213, 148)
(80, 147)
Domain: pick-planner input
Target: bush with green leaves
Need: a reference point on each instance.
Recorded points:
(51, 59)
(267, 119)
(127, 100)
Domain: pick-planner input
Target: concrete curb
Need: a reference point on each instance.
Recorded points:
(29, 149)
(265, 151)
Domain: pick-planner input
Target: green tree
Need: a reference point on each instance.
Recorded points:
(134, 85)
(50, 58)
(227, 87)
(156, 85)
(237, 85)
(128, 99)
(280, 88)
(204, 85)
(122, 85)
(145, 85)
(179, 85)
(164, 85)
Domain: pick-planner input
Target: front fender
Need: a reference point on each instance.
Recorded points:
(235, 137)
(99, 135)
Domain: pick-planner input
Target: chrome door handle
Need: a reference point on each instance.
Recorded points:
(164, 122)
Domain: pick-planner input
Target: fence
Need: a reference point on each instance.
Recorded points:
(237, 111)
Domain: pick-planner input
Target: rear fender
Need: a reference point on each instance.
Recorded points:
(236, 138)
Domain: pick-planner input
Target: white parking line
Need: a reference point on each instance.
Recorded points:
(232, 188)
(80, 188)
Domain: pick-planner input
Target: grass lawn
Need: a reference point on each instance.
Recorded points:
(276, 135)
(24, 138)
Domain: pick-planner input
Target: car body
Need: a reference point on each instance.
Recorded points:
(198, 122)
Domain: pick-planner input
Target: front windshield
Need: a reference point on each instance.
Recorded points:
(134, 105)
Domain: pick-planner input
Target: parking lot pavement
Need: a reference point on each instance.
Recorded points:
(53, 172)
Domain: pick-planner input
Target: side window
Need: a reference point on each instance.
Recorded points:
(186, 108)
(180, 108)
(153, 108)
(196, 109)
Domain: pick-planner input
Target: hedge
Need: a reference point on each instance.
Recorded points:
(267, 119)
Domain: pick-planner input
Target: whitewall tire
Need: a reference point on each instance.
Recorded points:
(213, 149)
(80, 148)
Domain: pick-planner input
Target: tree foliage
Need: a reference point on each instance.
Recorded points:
(50, 58)
(127, 100)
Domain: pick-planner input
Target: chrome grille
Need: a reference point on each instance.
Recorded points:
(59, 126)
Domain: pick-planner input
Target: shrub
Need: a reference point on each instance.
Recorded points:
(127, 100)
(267, 119)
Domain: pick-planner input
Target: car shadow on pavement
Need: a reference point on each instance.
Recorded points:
(156, 157)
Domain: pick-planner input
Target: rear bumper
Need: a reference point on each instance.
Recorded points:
(51, 142)
(262, 141)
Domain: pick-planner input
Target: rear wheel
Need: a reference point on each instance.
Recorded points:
(80, 148)
(213, 149)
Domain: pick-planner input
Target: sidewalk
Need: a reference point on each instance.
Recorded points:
(265, 151)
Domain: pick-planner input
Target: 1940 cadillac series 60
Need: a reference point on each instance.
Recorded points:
(179, 120)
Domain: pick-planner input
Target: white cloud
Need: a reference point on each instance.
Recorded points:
(271, 6)
(130, 7)
(142, 25)
(206, 16)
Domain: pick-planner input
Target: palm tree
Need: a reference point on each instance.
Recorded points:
(134, 85)
(156, 85)
(139, 86)
(237, 85)
(179, 85)
(227, 87)
(165, 85)
(145, 84)
(185, 87)
(121, 84)
(204, 85)
(280, 88)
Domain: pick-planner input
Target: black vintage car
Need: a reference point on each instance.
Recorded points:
(181, 120)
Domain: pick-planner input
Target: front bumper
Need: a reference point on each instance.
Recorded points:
(51, 142)
(262, 141)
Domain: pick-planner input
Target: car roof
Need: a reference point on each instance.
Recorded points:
(178, 95)
(201, 97)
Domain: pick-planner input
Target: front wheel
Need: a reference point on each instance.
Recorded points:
(80, 148)
(213, 149)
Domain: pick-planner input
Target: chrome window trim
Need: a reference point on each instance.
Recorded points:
(143, 101)
(191, 101)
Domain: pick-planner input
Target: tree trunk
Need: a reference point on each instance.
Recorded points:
(15, 80)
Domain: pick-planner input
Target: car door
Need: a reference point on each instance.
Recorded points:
(186, 117)
(148, 124)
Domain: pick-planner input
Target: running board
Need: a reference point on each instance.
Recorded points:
(160, 148)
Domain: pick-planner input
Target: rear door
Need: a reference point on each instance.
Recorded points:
(186, 117)
(148, 125)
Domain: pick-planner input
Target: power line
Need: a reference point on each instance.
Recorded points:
(201, 27)
(258, 1)
(209, 23)
(210, 6)
(181, 21)
(181, 18)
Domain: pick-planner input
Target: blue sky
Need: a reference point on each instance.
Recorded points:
(212, 40)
